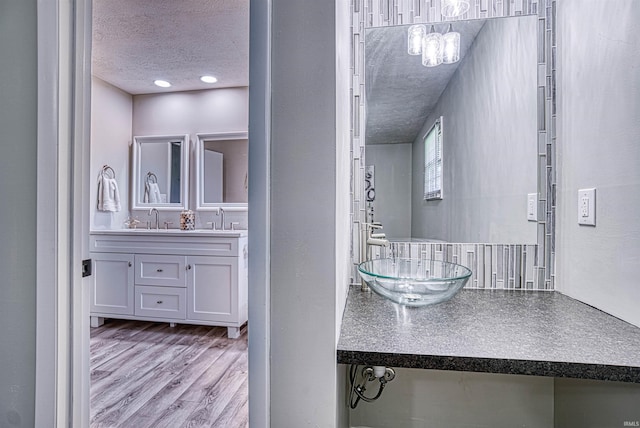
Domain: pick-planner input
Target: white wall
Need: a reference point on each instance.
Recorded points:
(18, 172)
(440, 399)
(111, 119)
(392, 205)
(598, 136)
(215, 110)
(489, 114)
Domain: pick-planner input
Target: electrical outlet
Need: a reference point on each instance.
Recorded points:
(532, 207)
(587, 207)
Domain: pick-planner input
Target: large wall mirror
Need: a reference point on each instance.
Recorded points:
(222, 171)
(488, 104)
(498, 107)
(160, 172)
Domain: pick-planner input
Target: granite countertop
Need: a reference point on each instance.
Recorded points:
(498, 331)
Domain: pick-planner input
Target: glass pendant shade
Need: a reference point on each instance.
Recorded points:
(432, 49)
(453, 8)
(415, 35)
(450, 47)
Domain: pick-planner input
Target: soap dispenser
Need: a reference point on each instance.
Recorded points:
(187, 220)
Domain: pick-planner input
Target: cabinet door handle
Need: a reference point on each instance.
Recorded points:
(188, 267)
(159, 302)
(158, 270)
(130, 264)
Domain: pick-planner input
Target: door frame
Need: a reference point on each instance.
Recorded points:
(62, 294)
(64, 121)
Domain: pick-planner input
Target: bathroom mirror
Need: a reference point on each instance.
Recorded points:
(160, 172)
(222, 171)
(488, 104)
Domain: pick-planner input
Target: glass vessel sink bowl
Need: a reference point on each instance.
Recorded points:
(414, 282)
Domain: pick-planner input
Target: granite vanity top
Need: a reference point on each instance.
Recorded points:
(498, 331)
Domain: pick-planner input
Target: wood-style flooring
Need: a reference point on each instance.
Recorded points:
(152, 375)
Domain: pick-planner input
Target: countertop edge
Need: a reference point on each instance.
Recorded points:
(493, 365)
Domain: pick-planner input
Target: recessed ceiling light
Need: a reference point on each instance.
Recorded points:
(162, 83)
(208, 79)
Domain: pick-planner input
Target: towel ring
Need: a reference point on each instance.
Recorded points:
(151, 178)
(106, 169)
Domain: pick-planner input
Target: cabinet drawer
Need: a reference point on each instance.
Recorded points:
(160, 302)
(159, 270)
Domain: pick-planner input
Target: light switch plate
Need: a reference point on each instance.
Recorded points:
(587, 207)
(532, 207)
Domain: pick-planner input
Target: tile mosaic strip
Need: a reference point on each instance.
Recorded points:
(493, 266)
(381, 13)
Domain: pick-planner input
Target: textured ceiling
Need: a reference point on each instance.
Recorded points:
(400, 91)
(138, 41)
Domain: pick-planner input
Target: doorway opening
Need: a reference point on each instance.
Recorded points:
(149, 364)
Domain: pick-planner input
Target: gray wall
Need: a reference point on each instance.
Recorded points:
(393, 187)
(117, 116)
(441, 399)
(18, 112)
(111, 116)
(306, 253)
(580, 403)
(598, 136)
(489, 142)
(210, 111)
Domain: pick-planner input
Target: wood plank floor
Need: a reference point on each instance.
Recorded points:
(151, 375)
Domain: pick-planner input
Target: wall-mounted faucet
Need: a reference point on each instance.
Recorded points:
(151, 211)
(368, 239)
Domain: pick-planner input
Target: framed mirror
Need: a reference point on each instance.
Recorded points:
(160, 172)
(222, 171)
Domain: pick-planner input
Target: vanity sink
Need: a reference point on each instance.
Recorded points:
(414, 282)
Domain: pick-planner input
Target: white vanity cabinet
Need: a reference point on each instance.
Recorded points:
(112, 285)
(191, 277)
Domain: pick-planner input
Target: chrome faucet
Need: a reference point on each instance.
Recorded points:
(367, 240)
(151, 211)
(221, 213)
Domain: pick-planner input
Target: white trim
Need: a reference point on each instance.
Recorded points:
(46, 405)
(259, 213)
(201, 205)
(80, 225)
(63, 73)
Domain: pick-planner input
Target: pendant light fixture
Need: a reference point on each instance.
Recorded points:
(432, 49)
(450, 46)
(453, 8)
(415, 35)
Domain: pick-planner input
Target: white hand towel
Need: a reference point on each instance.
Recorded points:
(108, 195)
(154, 193)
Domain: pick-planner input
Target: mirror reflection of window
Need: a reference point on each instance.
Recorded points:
(176, 163)
(225, 171)
(433, 162)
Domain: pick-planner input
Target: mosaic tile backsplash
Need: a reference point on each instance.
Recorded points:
(494, 266)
